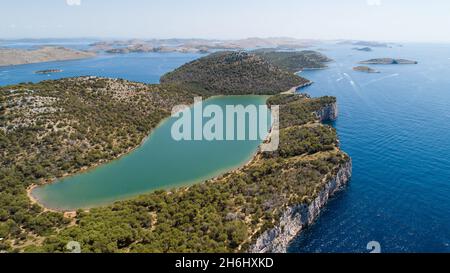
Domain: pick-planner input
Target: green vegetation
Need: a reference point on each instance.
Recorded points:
(223, 215)
(233, 73)
(294, 61)
(55, 128)
(294, 111)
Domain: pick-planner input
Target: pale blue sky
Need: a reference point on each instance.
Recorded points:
(393, 20)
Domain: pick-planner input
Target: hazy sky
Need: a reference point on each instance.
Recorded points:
(393, 20)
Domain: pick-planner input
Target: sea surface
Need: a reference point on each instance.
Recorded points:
(395, 125)
(142, 67)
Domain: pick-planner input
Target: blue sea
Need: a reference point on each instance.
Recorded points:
(141, 67)
(395, 125)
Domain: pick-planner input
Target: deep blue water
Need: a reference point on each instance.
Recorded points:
(395, 125)
(142, 67)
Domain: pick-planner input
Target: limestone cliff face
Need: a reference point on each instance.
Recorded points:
(298, 217)
(328, 113)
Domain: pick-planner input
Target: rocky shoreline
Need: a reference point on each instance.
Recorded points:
(298, 217)
(294, 89)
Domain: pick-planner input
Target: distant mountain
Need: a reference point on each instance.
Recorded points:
(197, 45)
(231, 73)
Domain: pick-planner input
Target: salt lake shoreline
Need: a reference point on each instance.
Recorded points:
(35, 200)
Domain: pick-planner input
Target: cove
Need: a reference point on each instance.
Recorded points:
(159, 163)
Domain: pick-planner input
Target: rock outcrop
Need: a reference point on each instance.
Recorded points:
(328, 113)
(298, 217)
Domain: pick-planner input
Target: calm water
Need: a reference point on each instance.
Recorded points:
(160, 163)
(396, 127)
(144, 67)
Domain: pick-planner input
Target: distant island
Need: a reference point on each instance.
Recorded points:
(366, 49)
(365, 69)
(10, 56)
(145, 48)
(48, 71)
(388, 61)
(197, 45)
(363, 43)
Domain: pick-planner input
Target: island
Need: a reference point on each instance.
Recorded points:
(48, 71)
(11, 56)
(365, 69)
(388, 61)
(363, 43)
(59, 127)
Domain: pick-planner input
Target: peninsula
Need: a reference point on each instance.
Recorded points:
(9, 56)
(295, 61)
(83, 122)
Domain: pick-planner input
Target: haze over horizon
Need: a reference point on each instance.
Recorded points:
(376, 20)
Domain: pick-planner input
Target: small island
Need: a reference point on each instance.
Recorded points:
(388, 61)
(364, 43)
(48, 71)
(365, 69)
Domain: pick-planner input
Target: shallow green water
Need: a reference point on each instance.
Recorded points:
(160, 163)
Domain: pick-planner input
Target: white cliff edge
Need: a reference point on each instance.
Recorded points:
(329, 112)
(296, 218)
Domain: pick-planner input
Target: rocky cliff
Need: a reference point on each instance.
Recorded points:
(328, 113)
(298, 217)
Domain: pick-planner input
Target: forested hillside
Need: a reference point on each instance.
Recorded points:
(294, 61)
(234, 73)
